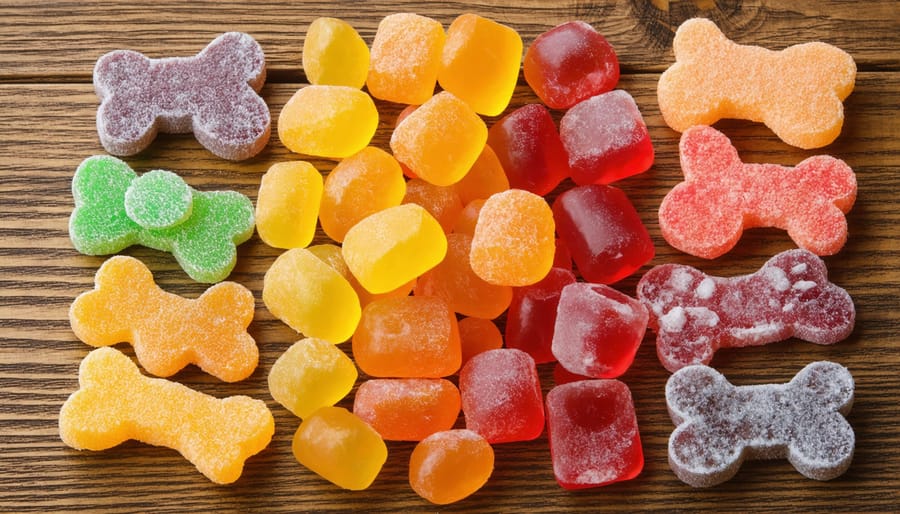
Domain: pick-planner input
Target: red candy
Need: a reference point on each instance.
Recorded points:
(532, 315)
(570, 63)
(593, 433)
(603, 232)
(501, 396)
(529, 148)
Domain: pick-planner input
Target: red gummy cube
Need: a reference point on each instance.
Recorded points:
(606, 139)
(501, 396)
(570, 63)
(603, 232)
(529, 148)
(598, 330)
(532, 315)
(593, 433)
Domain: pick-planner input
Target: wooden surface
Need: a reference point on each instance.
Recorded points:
(47, 127)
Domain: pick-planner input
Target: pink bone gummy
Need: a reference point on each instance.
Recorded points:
(721, 196)
(695, 314)
(213, 94)
(718, 425)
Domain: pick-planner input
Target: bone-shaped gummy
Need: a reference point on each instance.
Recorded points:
(694, 314)
(797, 92)
(168, 332)
(213, 94)
(114, 209)
(116, 403)
(719, 425)
(721, 197)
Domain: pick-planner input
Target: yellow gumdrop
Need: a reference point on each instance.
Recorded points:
(328, 121)
(393, 246)
(331, 255)
(311, 374)
(287, 206)
(311, 297)
(334, 54)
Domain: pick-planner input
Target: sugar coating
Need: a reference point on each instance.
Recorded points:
(407, 409)
(501, 396)
(408, 337)
(328, 121)
(531, 317)
(483, 179)
(168, 332)
(478, 335)
(334, 54)
(310, 296)
(606, 139)
(310, 374)
(204, 243)
(331, 255)
(797, 92)
(159, 199)
(287, 205)
(480, 63)
(570, 63)
(442, 202)
(341, 448)
(213, 94)
(514, 241)
(115, 403)
(394, 246)
(593, 433)
(449, 466)
(405, 58)
(721, 197)
(718, 425)
(440, 140)
(695, 314)
(598, 330)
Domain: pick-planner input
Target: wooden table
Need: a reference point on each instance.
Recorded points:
(47, 127)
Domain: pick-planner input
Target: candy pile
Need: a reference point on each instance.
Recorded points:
(426, 262)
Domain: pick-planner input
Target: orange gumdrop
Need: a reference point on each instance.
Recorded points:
(405, 57)
(446, 467)
(468, 218)
(484, 178)
(441, 202)
(407, 409)
(478, 335)
(463, 290)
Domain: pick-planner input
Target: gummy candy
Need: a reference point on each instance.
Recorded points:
(695, 314)
(214, 94)
(287, 206)
(312, 373)
(530, 150)
(442, 202)
(468, 218)
(328, 121)
(702, 215)
(603, 232)
(478, 335)
(606, 139)
(451, 465)
(480, 63)
(334, 54)
(532, 315)
(310, 296)
(362, 184)
(408, 337)
(116, 403)
(718, 425)
(514, 240)
(593, 434)
(407, 409)
(440, 140)
(797, 92)
(483, 179)
(393, 246)
(405, 58)
(168, 332)
(598, 330)
(332, 255)
(341, 448)
(463, 290)
(501, 396)
(200, 234)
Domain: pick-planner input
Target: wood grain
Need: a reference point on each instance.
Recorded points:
(47, 126)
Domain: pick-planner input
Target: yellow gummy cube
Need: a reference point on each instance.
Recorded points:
(480, 63)
(334, 54)
(328, 121)
(287, 206)
(312, 373)
(333, 256)
(406, 55)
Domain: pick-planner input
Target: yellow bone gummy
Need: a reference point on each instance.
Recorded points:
(168, 332)
(797, 92)
(116, 403)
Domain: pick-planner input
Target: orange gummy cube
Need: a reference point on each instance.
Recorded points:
(287, 206)
(448, 466)
(328, 121)
(312, 373)
(478, 335)
(483, 179)
(468, 218)
(405, 57)
(407, 409)
(440, 201)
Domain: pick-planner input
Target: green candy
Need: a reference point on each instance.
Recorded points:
(114, 209)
